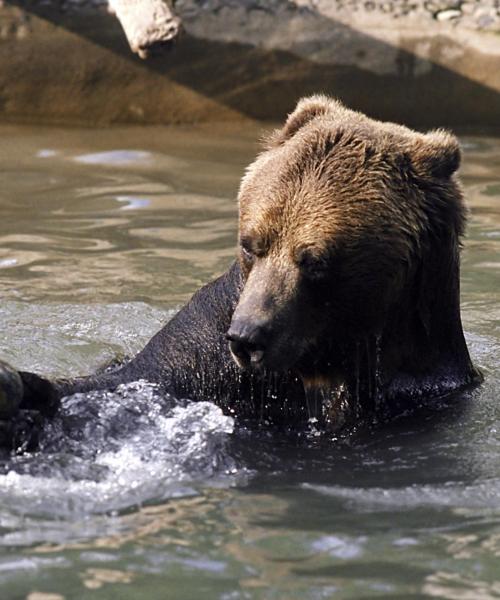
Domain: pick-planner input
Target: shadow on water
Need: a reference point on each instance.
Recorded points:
(310, 454)
(265, 84)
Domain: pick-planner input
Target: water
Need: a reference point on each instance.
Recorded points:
(103, 235)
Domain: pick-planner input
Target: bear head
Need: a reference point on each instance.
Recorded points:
(336, 217)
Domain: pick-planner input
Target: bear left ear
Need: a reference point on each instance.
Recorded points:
(306, 110)
(436, 154)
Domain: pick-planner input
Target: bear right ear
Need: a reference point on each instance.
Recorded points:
(306, 110)
(436, 154)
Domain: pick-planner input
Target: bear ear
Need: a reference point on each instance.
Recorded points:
(436, 154)
(306, 110)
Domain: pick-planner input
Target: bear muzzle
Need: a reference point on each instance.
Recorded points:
(248, 342)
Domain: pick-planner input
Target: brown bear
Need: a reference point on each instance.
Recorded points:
(344, 299)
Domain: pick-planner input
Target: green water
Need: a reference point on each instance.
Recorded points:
(103, 235)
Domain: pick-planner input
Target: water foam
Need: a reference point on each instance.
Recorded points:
(107, 451)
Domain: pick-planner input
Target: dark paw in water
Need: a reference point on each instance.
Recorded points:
(11, 391)
(18, 428)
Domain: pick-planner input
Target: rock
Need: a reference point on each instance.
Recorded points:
(252, 59)
(436, 6)
(448, 15)
(484, 19)
(468, 8)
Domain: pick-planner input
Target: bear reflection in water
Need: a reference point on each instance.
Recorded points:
(343, 301)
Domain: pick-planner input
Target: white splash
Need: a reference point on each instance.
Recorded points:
(112, 450)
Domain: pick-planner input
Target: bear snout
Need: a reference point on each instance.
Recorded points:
(248, 341)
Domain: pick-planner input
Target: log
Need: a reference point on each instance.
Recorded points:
(148, 24)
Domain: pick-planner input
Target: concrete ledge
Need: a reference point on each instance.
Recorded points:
(69, 62)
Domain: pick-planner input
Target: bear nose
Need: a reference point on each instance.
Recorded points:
(247, 342)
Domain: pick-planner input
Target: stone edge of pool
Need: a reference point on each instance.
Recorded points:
(67, 62)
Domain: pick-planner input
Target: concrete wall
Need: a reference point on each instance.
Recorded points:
(424, 63)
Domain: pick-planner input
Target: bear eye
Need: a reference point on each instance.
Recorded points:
(252, 248)
(247, 250)
(247, 253)
(317, 272)
(313, 267)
